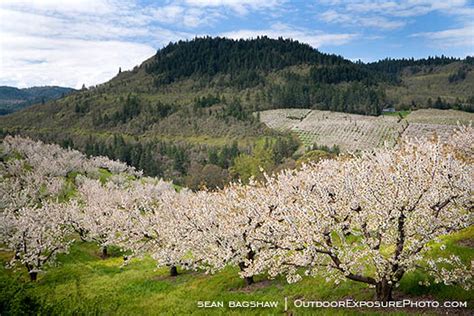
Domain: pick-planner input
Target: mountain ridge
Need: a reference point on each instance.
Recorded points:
(13, 99)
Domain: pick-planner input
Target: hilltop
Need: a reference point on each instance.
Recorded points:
(186, 113)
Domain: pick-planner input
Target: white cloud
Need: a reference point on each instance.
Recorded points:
(69, 6)
(33, 60)
(313, 38)
(196, 13)
(85, 27)
(189, 17)
(394, 14)
(168, 14)
(69, 43)
(332, 16)
(195, 18)
(451, 37)
(241, 7)
(399, 8)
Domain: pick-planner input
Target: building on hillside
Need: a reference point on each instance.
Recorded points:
(388, 110)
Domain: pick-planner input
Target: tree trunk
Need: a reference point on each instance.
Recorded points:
(383, 291)
(250, 255)
(33, 275)
(248, 280)
(104, 252)
(173, 271)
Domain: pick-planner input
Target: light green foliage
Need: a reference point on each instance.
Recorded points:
(104, 175)
(262, 159)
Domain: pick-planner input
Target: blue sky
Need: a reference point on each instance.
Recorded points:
(71, 42)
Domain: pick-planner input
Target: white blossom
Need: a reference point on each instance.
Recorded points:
(35, 234)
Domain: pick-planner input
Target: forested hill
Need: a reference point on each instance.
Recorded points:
(186, 113)
(14, 99)
(211, 56)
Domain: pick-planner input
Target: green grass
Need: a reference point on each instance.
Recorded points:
(104, 175)
(83, 283)
(454, 245)
(87, 284)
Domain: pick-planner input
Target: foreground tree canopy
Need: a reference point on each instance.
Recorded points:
(369, 218)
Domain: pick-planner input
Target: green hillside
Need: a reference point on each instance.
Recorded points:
(14, 99)
(187, 110)
(452, 83)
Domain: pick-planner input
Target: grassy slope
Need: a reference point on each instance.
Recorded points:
(432, 84)
(85, 284)
(58, 118)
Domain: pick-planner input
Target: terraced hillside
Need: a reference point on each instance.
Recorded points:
(353, 132)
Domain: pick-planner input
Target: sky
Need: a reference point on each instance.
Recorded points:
(75, 42)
